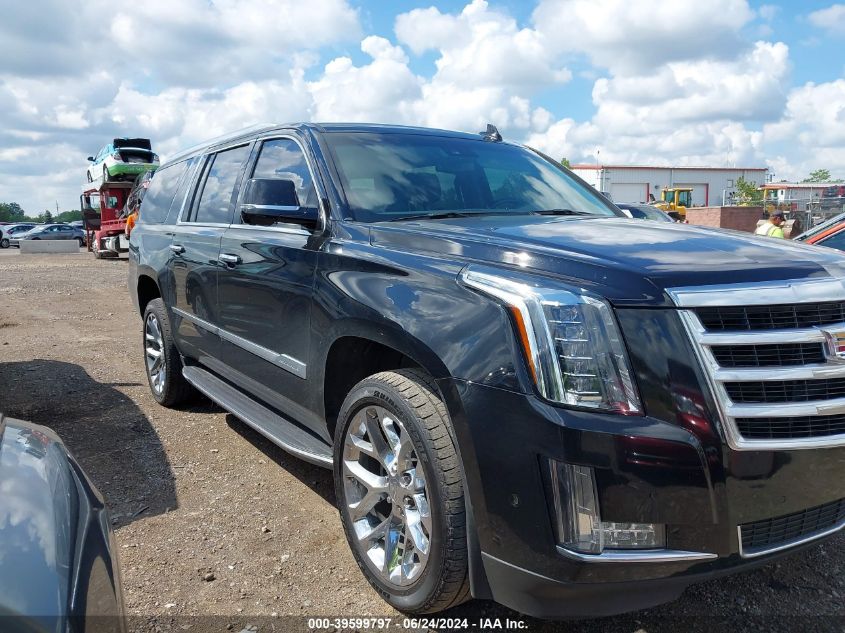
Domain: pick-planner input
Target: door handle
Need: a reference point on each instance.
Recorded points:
(177, 248)
(229, 259)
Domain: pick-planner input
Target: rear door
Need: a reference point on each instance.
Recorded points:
(264, 293)
(195, 247)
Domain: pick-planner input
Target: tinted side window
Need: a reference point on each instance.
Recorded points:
(837, 240)
(283, 158)
(161, 193)
(215, 201)
(181, 192)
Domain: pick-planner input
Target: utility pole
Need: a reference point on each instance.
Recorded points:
(598, 170)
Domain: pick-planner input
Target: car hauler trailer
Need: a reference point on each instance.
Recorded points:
(101, 206)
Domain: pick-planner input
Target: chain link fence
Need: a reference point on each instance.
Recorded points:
(809, 211)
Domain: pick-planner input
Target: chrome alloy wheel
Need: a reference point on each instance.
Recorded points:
(386, 496)
(154, 353)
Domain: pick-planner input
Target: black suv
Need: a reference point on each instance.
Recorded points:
(524, 395)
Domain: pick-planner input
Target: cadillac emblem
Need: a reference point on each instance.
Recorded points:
(835, 339)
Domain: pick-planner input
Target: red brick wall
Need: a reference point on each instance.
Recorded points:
(736, 218)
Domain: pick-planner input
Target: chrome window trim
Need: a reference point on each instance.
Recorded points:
(291, 230)
(272, 207)
(637, 556)
(789, 544)
(790, 292)
(764, 293)
(288, 363)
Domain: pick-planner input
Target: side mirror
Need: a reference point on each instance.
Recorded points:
(270, 200)
(90, 159)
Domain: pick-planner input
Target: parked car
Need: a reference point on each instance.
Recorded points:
(644, 212)
(58, 562)
(830, 233)
(122, 159)
(8, 231)
(522, 394)
(50, 232)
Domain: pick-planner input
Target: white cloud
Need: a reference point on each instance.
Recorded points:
(379, 91)
(831, 19)
(481, 47)
(636, 35)
(677, 82)
(811, 131)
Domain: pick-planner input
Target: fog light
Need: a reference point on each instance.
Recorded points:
(578, 524)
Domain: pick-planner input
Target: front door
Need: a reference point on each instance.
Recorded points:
(264, 293)
(195, 247)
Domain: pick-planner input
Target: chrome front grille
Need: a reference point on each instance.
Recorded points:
(772, 317)
(776, 355)
(776, 369)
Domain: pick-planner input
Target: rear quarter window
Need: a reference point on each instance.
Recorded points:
(162, 193)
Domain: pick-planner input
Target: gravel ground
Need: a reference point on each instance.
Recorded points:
(218, 529)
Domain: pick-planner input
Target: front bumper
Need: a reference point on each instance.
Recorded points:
(647, 471)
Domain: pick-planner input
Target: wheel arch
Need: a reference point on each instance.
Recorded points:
(147, 289)
(357, 350)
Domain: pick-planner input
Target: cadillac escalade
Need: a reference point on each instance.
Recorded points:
(524, 395)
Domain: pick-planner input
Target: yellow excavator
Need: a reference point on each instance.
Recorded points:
(675, 199)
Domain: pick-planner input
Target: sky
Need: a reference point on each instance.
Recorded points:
(686, 82)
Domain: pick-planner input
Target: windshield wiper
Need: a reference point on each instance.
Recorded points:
(561, 212)
(444, 215)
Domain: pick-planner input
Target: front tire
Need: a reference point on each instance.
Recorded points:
(399, 486)
(4, 243)
(162, 362)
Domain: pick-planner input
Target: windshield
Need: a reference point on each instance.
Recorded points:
(392, 176)
(645, 212)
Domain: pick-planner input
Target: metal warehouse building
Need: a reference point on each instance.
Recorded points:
(633, 183)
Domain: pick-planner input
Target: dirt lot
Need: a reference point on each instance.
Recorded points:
(195, 494)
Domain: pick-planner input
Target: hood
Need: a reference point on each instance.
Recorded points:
(36, 522)
(53, 530)
(629, 262)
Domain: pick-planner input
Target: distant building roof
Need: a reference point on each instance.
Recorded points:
(801, 185)
(687, 167)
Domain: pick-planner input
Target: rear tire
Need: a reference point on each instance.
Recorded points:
(80, 241)
(4, 243)
(162, 362)
(401, 496)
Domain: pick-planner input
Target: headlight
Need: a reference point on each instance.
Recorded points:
(572, 344)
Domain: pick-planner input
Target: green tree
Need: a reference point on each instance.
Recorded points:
(69, 216)
(11, 212)
(46, 217)
(818, 175)
(747, 193)
(565, 162)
